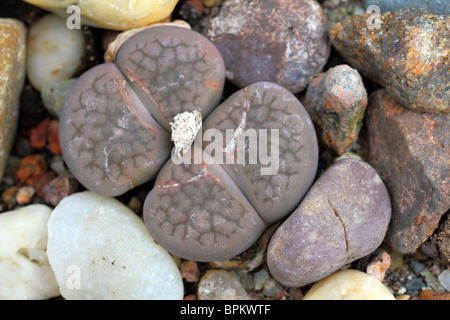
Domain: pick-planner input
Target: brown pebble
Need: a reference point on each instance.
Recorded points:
(38, 134)
(189, 271)
(53, 138)
(409, 150)
(43, 181)
(433, 295)
(295, 294)
(31, 169)
(58, 188)
(9, 197)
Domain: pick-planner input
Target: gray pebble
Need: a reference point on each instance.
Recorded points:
(444, 279)
(272, 288)
(246, 280)
(259, 278)
(414, 284)
(431, 280)
(416, 266)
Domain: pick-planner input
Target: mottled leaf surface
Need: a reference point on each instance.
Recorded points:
(173, 70)
(197, 212)
(109, 140)
(267, 106)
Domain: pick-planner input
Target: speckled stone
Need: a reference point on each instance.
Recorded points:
(336, 101)
(221, 285)
(407, 55)
(271, 40)
(410, 151)
(12, 77)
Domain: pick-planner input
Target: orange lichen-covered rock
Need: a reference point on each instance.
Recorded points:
(336, 101)
(407, 54)
(12, 75)
(32, 168)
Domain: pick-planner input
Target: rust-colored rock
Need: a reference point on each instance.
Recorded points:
(411, 153)
(281, 41)
(407, 55)
(433, 295)
(336, 101)
(38, 134)
(12, 77)
(32, 168)
(53, 138)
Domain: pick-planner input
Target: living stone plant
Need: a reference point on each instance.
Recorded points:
(166, 82)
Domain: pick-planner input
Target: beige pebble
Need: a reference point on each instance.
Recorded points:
(112, 14)
(349, 285)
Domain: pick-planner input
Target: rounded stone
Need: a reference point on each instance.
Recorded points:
(111, 14)
(221, 285)
(100, 249)
(54, 52)
(271, 40)
(349, 285)
(343, 217)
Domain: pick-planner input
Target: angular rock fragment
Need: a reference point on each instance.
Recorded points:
(271, 40)
(343, 217)
(410, 151)
(407, 55)
(12, 77)
(336, 101)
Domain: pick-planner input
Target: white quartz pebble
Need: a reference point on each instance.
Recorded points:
(24, 269)
(54, 52)
(100, 249)
(349, 285)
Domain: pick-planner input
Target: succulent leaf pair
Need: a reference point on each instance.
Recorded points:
(115, 135)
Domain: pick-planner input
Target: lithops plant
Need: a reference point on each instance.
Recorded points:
(165, 84)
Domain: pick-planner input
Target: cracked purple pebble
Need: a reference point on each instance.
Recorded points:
(343, 217)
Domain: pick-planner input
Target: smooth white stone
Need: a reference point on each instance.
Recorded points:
(100, 249)
(54, 52)
(25, 272)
